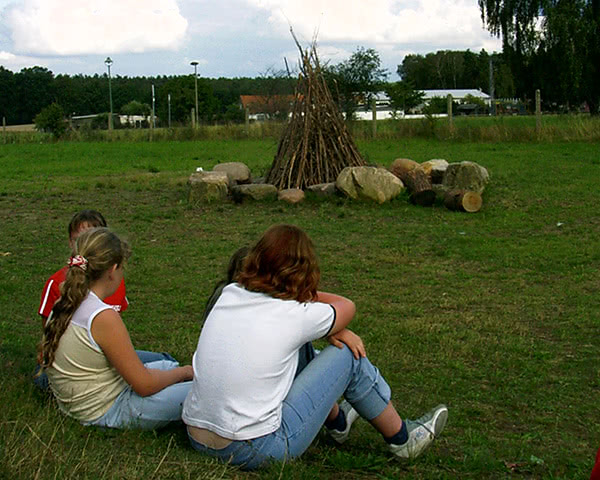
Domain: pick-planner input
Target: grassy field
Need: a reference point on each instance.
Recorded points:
(495, 314)
(522, 128)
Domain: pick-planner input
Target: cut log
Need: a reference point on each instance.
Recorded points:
(419, 186)
(435, 169)
(463, 201)
(401, 166)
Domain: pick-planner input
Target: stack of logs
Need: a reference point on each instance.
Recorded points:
(423, 181)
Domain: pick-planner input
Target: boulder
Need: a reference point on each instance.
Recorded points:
(401, 166)
(254, 191)
(238, 172)
(323, 189)
(291, 195)
(466, 176)
(369, 183)
(434, 169)
(207, 187)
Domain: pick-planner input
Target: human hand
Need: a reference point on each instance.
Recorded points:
(351, 340)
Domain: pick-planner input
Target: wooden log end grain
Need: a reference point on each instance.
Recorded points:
(401, 166)
(463, 201)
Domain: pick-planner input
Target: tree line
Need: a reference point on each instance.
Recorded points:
(24, 94)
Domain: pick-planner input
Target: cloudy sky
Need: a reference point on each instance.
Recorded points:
(229, 38)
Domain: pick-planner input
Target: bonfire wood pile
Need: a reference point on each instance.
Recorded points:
(316, 145)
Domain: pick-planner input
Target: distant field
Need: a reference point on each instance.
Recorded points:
(552, 128)
(21, 128)
(495, 314)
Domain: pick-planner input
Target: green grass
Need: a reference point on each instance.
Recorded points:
(494, 313)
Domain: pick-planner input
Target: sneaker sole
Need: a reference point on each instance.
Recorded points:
(440, 420)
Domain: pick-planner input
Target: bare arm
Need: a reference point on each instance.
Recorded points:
(111, 335)
(351, 339)
(344, 309)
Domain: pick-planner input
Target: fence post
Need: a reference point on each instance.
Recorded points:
(449, 109)
(374, 121)
(538, 112)
(4, 128)
(247, 120)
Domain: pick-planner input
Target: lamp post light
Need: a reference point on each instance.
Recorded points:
(108, 62)
(195, 64)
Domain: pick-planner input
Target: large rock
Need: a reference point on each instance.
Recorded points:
(238, 172)
(207, 187)
(369, 183)
(323, 189)
(434, 169)
(466, 176)
(254, 191)
(291, 195)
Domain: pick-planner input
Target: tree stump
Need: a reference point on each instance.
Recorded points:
(418, 184)
(463, 201)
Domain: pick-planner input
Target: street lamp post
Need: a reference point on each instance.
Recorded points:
(195, 64)
(108, 62)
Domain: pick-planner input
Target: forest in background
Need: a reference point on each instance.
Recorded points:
(26, 93)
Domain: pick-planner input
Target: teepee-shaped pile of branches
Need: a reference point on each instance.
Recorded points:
(316, 145)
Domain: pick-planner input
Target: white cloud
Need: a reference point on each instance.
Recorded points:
(80, 27)
(442, 23)
(17, 62)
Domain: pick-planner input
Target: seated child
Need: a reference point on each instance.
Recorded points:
(248, 404)
(94, 372)
(81, 221)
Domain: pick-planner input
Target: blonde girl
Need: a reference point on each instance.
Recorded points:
(94, 371)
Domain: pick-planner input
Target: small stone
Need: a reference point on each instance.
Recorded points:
(291, 195)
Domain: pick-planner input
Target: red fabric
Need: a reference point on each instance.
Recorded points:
(51, 293)
(596, 469)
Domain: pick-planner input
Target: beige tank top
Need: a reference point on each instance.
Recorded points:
(82, 379)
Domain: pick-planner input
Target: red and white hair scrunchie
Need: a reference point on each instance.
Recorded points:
(78, 261)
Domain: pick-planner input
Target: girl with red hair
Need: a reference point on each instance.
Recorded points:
(250, 402)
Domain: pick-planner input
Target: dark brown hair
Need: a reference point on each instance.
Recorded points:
(282, 264)
(91, 217)
(235, 266)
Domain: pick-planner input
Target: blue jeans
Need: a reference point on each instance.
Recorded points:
(333, 372)
(41, 380)
(147, 357)
(130, 410)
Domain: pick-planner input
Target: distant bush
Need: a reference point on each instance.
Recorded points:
(52, 120)
(438, 105)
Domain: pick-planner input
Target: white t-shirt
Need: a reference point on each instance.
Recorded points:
(246, 360)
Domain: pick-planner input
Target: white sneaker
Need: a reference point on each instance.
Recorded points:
(422, 432)
(351, 416)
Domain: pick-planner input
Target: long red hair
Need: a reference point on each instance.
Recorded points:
(282, 264)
